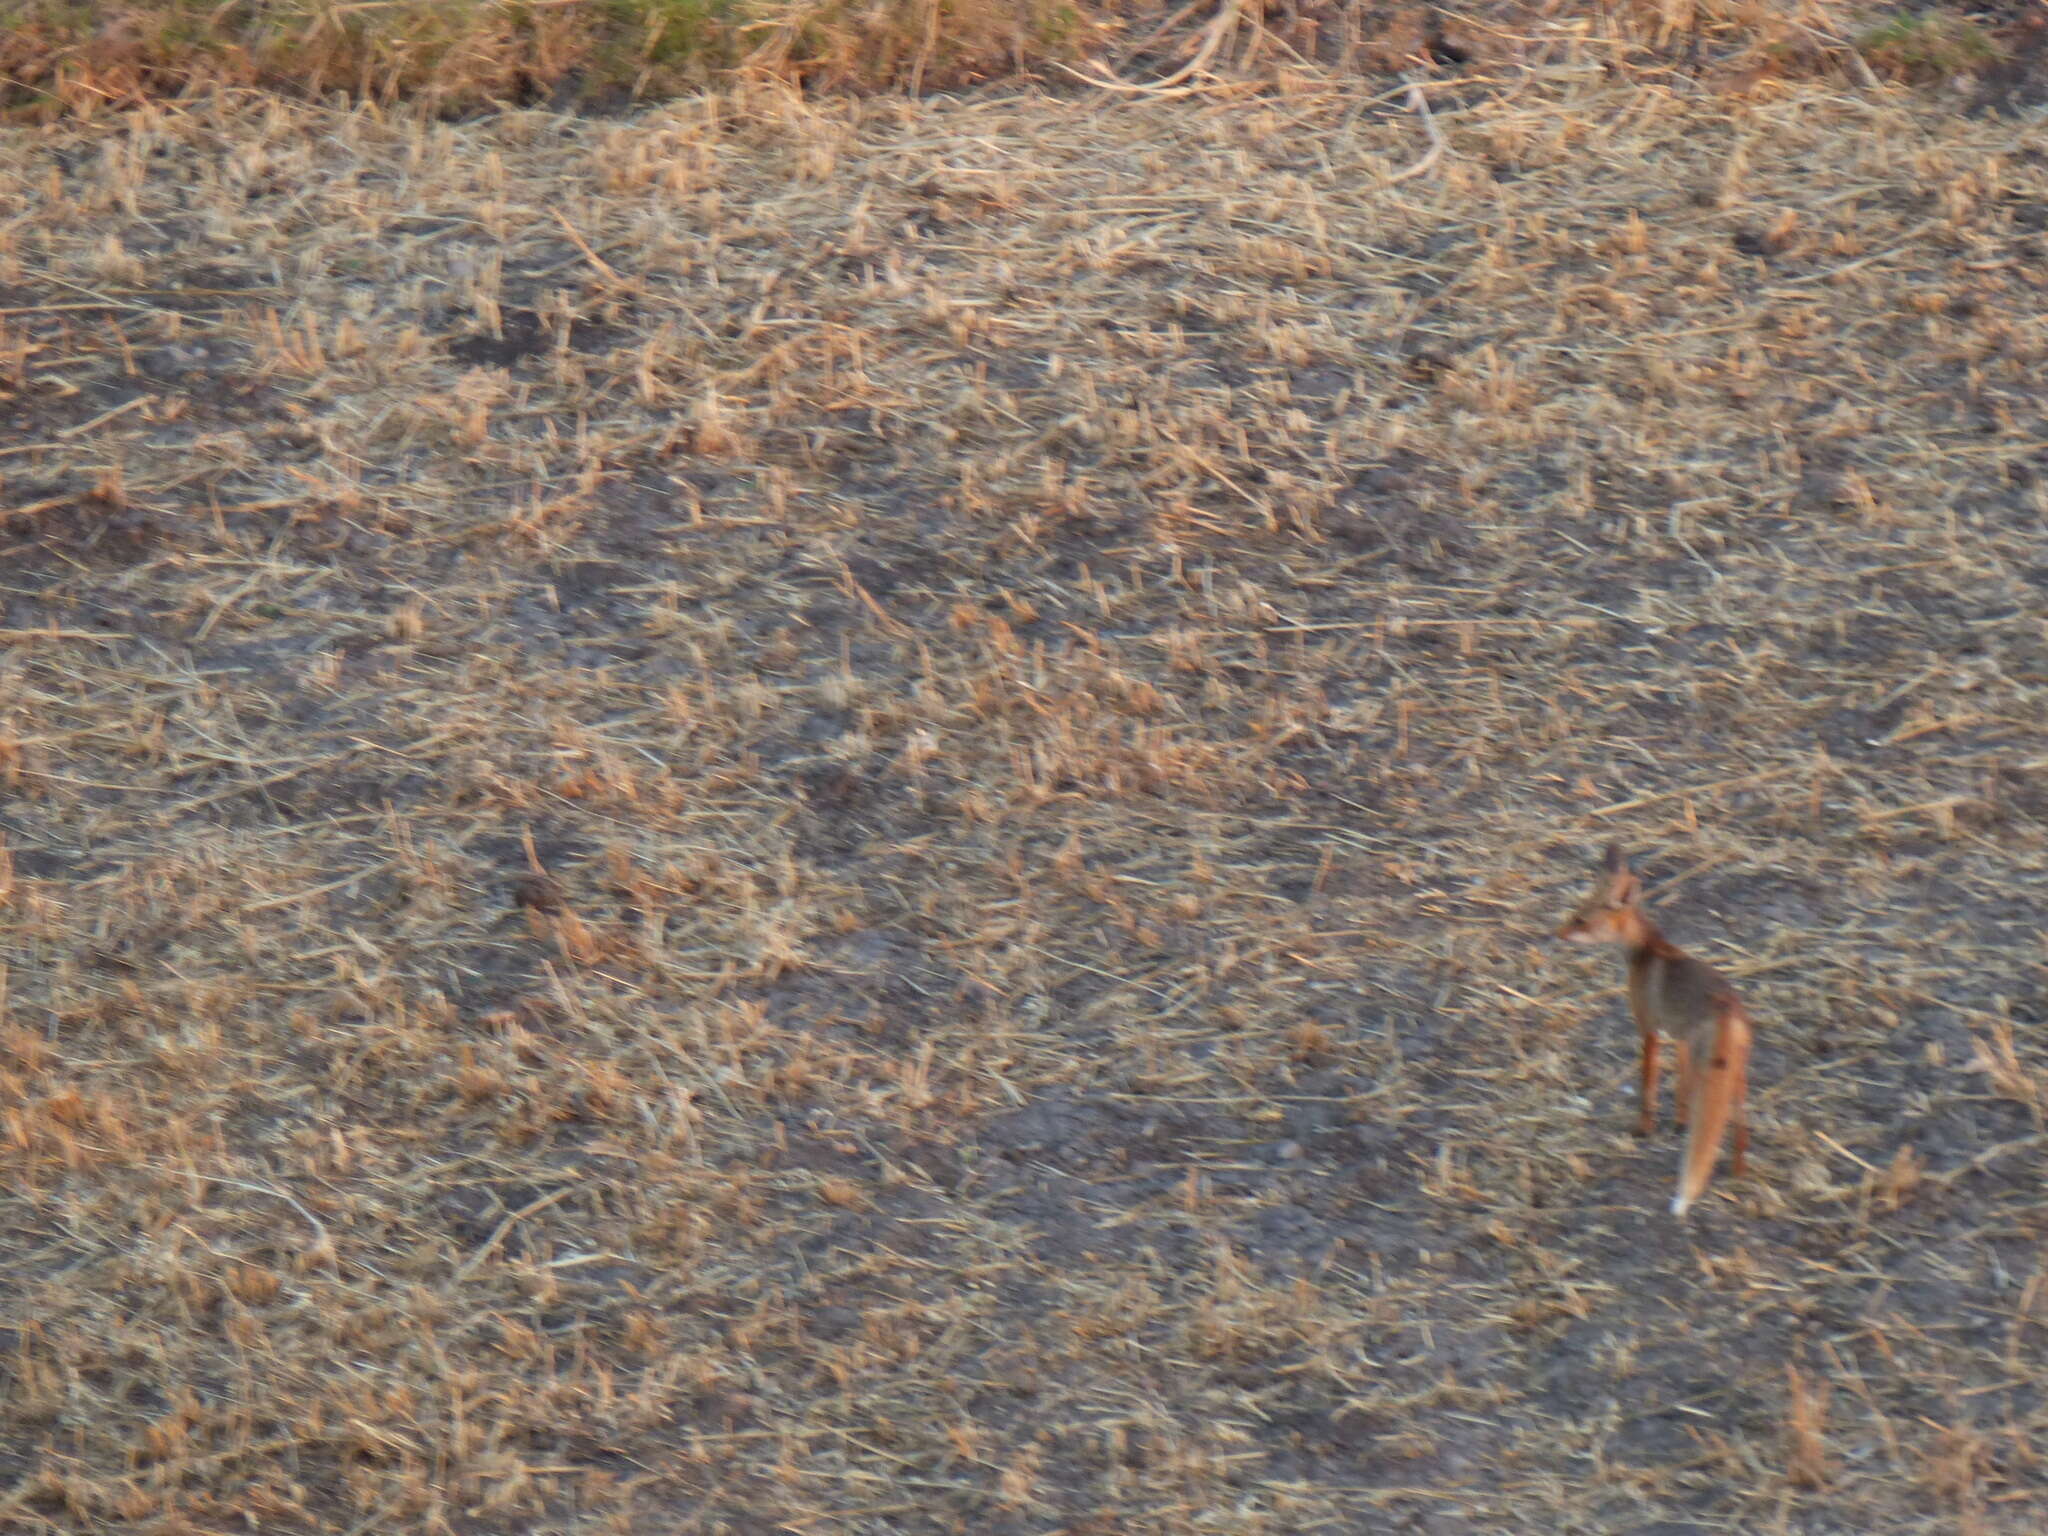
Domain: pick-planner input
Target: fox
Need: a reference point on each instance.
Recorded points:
(1671, 992)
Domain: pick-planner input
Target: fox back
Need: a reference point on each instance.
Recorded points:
(1673, 992)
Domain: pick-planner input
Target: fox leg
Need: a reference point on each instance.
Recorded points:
(1647, 1120)
(1682, 1099)
(1741, 1116)
(1717, 1092)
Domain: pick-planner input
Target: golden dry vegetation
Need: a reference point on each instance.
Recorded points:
(80, 57)
(808, 817)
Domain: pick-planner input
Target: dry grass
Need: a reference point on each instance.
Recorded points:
(810, 818)
(64, 56)
(72, 58)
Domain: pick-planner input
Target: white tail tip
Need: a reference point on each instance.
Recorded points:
(1680, 1205)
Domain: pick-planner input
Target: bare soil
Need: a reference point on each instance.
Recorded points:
(843, 817)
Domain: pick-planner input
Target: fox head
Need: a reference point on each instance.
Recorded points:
(1613, 912)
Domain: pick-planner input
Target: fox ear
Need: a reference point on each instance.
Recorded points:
(1616, 863)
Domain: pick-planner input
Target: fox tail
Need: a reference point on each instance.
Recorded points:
(1718, 1086)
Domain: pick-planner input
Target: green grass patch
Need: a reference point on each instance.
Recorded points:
(1927, 46)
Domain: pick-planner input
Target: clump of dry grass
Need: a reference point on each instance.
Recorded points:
(806, 813)
(1806, 1422)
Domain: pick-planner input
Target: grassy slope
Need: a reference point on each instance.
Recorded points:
(460, 54)
(455, 56)
(800, 815)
